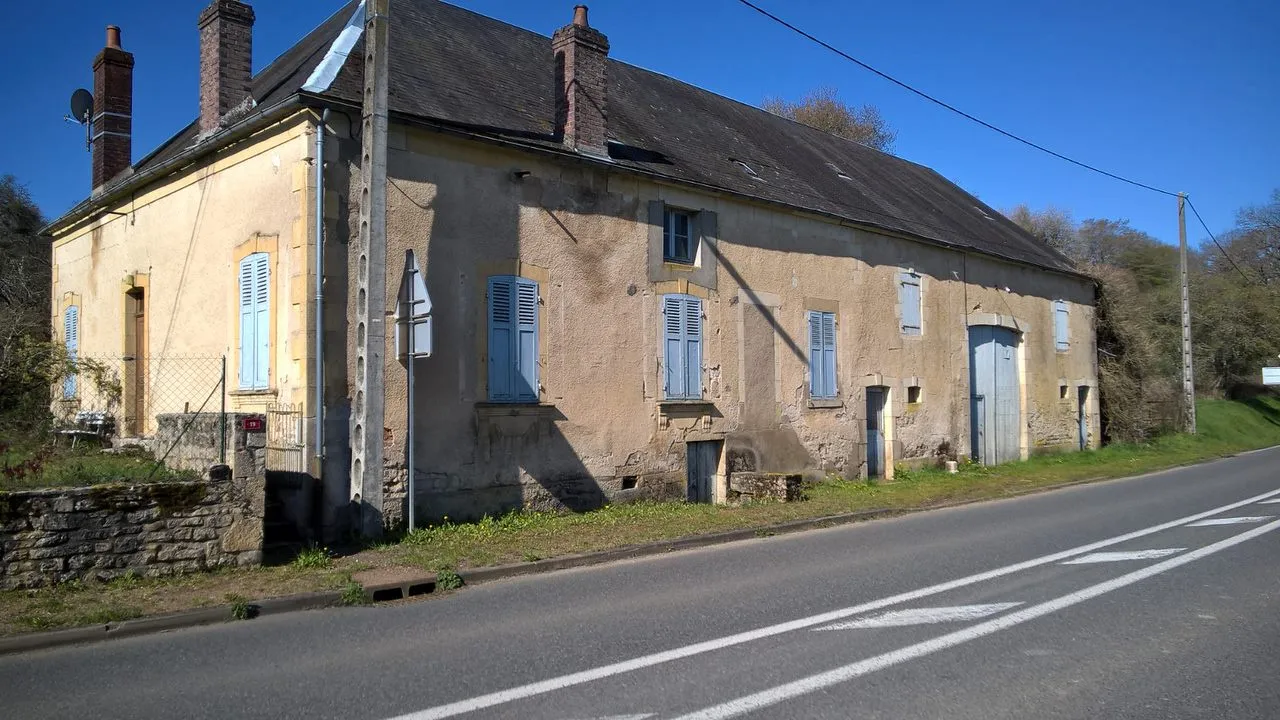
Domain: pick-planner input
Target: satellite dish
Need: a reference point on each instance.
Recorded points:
(81, 105)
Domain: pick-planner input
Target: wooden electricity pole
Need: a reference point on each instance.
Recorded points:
(1188, 379)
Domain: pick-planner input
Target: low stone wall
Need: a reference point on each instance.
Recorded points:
(151, 529)
(102, 532)
(192, 441)
(748, 486)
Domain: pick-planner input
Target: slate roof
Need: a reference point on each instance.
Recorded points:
(458, 68)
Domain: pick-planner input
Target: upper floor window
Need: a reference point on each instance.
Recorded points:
(822, 355)
(513, 339)
(679, 243)
(255, 321)
(1061, 326)
(682, 347)
(909, 302)
(71, 339)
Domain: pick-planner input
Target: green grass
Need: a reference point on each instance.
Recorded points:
(31, 468)
(313, 558)
(1225, 427)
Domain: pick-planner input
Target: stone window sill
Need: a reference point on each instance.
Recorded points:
(678, 266)
(835, 402)
(269, 392)
(496, 409)
(684, 403)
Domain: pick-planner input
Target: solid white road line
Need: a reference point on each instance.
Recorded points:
(1231, 521)
(1272, 501)
(782, 693)
(563, 681)
(922, 616)
(1122, 556)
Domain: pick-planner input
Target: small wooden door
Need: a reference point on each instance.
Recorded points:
(703, 461)
(1083, 411)
(875, 432)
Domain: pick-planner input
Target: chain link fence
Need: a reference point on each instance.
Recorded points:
(172, 406)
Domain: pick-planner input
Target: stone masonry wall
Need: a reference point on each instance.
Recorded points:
(150, 529)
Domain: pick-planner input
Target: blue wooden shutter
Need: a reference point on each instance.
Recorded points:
(673, 356)
(1061, 326)
(261, 321)
(909, 299)
(828, 355)
(526, 366)
(815, 354)
(246, 323)
(71, 336)
(693, 347)
(502, 356)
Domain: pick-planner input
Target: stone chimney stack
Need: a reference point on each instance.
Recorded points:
(112, 120)
(580, 55)
(226, 60)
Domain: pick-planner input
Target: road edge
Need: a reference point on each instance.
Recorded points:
(414, 586)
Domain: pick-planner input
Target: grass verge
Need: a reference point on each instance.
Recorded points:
(1225, 428)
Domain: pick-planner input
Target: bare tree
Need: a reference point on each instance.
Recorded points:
(1052, 226)
(822, 109)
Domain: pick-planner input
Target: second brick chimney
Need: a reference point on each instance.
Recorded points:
(581, 53)
(112, 120)
(226, 60)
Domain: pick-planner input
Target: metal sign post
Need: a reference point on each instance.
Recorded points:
(413, 341)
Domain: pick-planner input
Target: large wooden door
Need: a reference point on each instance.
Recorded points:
(703, 462)
(995, 400)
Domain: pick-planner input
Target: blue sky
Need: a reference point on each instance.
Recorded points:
(1180, 94)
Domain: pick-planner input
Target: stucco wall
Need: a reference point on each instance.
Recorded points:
(584, 235)
(180, 239)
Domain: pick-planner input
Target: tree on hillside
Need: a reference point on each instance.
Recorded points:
(822, 109)
(25, 271)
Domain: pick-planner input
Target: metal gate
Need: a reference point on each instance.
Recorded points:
(284, 438)
(995, 404)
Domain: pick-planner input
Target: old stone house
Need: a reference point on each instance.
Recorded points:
(637, 287)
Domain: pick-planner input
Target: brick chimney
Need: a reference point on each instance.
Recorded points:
(112, 120)
(226, 60)
(580, 53)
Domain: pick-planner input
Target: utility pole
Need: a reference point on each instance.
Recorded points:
(1188, 378)
(371, 278)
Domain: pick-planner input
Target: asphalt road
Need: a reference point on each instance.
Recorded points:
(1153, 597)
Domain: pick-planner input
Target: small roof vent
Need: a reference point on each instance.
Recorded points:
(839, 173)
(747, 169)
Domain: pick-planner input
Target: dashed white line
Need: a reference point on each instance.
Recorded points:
(1230, 521)
(1103, 557)
(782, 693)
(922, 616)
(520, 692)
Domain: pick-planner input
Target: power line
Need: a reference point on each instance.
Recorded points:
(1215, 241)
(950, 107)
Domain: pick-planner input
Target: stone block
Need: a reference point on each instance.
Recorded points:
(780, 487)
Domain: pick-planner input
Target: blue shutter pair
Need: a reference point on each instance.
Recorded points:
(513, 339)
(682, 347)
(822, 354)
(71, 338)
(255, 322)
(1061, 327)
(909, 301)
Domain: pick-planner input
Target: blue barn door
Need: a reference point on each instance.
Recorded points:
(875, 432)
(995, 399)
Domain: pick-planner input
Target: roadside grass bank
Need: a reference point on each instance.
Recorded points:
(1226, 427)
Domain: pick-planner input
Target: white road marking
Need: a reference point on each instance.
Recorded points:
(641, 716)
(584, 676)
(1230, 521)
(922, 616)
(1122, 556)
(782, 693)
(1272, 501)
